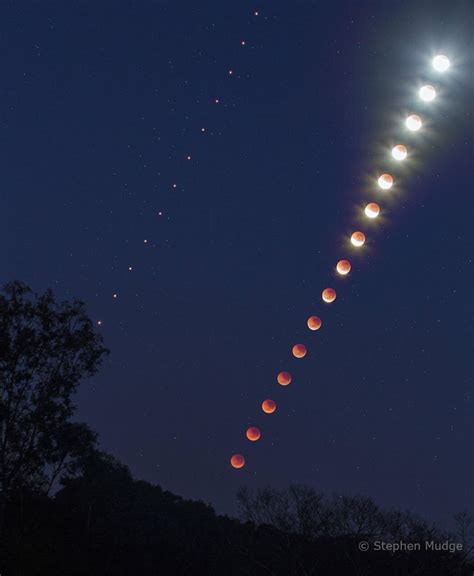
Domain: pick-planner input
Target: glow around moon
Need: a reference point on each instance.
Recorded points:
(299, 350)
(237, 461)
(399, 152)
(343, 267)
(358, 239)
(441, 63)
(427, 93)
(284, 378)
(385, 181)
(253, 434)
(314, 323)
(269, 406)
(329, 295)
(413, 123)
(372, 210)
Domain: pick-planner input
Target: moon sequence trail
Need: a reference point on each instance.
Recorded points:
(400, 153)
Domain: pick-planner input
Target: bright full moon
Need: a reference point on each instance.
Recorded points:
(441, 63)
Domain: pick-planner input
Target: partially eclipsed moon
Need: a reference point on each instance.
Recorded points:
(284, 378)
(358, 239)
(299, 350)
(413, 123)
(314, 322)
(329, 295)
(427, 93)
(343, 267)
(372, 210)
(399, 152)
(385, 181)
(268, 406)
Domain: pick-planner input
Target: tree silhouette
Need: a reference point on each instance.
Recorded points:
(46, 348)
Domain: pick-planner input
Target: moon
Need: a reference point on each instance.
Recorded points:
(427, 93)
(385, 181)
(413, 123)
(329, 295)
(372, 210)
(299, 350)
(399, 152)
(343, 267)
(314, 323)
(441, 63)
(358, 239)
(269, 406)
(237, 461)
(284, 378)
(253, 434)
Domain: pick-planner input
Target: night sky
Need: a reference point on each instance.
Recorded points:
(101, 103)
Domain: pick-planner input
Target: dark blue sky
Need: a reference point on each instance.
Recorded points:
(100, 105)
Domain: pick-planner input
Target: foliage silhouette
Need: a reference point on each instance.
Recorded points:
(69, 509)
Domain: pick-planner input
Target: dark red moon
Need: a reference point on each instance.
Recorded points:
(237, 461)
(269, 406)
(299, 350)
(358, 238)
(284, 378)
(329, 295)
(253, 434)
(343, 267)
(314, 322)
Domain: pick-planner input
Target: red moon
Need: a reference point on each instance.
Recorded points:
(269, 406)
(385, 181)
(237, 461)
(314, 322)
(253, 434)
(299, 350)
(329, 295)
(372, 210)
(284, 378)
(358, 239)
(343, 267)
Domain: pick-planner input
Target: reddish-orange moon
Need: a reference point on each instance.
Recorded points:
(314, 322)
(269, 406)
(284, 378)
(299, 350)
(343, 267)
(253, 434)
(329, 295)
(358, 238)
(372, 210)
(237, 461)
